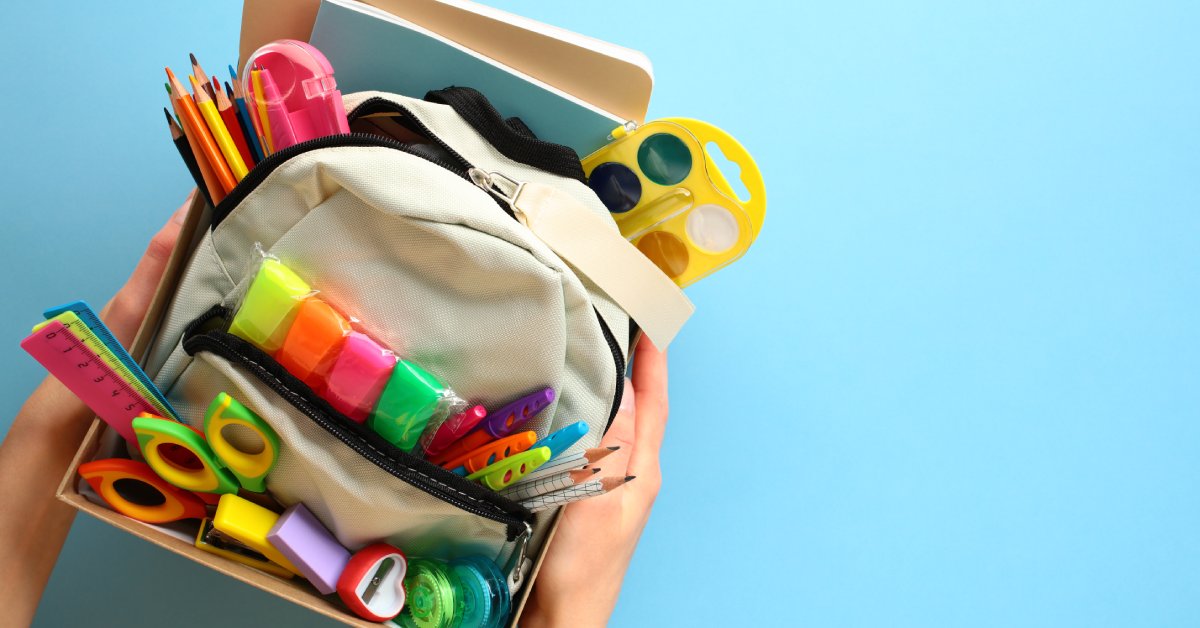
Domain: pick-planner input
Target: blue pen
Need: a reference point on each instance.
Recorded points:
(562, 439)
(247, 123)
(93, 322)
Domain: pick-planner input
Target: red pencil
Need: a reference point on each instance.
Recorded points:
(230, 115)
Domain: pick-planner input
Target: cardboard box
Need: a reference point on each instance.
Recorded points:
(506, 37)
(102, 440)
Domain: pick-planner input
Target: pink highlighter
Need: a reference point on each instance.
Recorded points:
(301, 96)
(357, 378)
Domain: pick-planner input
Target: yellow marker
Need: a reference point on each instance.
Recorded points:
(208, 109)
(256, 78)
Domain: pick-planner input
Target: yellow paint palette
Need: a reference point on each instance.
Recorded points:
(671, 201)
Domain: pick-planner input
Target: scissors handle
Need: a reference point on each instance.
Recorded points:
(254, 455)
(161, 440)
(133, 489)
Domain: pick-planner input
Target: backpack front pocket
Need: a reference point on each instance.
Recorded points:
(363, 488)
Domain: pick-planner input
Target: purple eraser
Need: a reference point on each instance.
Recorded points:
(311, 548)
(503, 421)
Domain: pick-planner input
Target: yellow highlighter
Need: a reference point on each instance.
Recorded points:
(229, 150)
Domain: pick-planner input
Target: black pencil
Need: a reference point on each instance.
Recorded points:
(185, 152)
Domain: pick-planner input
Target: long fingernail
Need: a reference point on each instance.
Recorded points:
(627, 397)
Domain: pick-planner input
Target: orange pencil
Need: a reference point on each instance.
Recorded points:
(206, 146)
(215, 191)
(230, 115)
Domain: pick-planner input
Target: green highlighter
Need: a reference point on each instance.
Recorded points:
(408, 401)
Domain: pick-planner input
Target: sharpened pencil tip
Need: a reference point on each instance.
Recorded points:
(193, 58)
(614, 448)
(596, 470)
(232, 72)
(629, 478)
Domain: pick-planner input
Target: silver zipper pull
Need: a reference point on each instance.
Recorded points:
(517, 560)
(500, 186)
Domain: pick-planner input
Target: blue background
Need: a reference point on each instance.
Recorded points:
(954, 383)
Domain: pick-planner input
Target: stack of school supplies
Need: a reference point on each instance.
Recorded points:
(222, 133)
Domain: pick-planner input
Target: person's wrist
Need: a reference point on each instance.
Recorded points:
(549, 611)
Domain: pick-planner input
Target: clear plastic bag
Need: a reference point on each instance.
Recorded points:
(283, 315)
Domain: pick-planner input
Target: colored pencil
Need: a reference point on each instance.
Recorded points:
(548, 484)
(204, 145)
(201, 77)
(230, 117)
(168, 87)
(575, 493)
(225, 141)
(260, 102)
(568, 463)
(212, 184)
(185, 152)
(247, 121)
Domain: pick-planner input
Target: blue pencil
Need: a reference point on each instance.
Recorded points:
(244, 116)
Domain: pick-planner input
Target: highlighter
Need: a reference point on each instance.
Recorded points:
(282, 135)
(313, 342)
(411, 397)
(270, 305)
(358, 376)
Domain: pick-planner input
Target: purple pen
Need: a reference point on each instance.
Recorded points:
(503, 421)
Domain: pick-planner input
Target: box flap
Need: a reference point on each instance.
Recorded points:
(615, 79)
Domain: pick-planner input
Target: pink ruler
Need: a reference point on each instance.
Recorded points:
(65, 356)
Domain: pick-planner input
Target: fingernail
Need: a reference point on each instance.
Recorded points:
(627, 397)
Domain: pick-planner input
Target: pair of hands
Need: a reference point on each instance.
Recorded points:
(583, 570)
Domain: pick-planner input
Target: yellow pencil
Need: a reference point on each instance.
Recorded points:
(209, 110)
(256, 78)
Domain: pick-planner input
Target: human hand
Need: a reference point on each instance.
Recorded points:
(585, 564)
(42, 441)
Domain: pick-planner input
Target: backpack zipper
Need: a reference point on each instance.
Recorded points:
(414, 471)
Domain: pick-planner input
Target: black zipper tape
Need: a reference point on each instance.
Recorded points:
(414, 471)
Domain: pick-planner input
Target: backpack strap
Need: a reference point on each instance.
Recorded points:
(512, 137)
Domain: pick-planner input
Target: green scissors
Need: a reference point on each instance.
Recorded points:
(215, 465)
